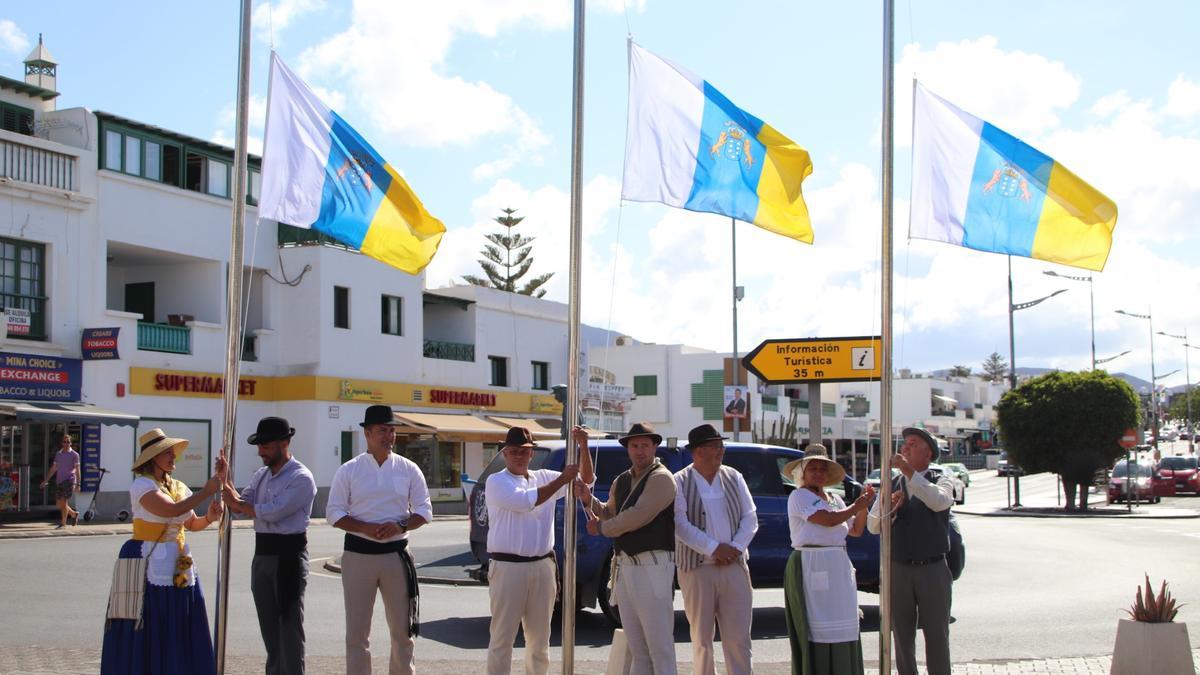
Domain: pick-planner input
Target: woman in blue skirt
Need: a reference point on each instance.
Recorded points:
(172, 636)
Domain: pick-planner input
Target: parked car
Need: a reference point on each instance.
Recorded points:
(960, 470)
(1183, 471)
(759, 464)
(1006, 468)
(959, 488)
(1142, 482)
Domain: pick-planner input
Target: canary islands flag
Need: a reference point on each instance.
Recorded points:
(688, 146)
(976, 186)
(319, 173)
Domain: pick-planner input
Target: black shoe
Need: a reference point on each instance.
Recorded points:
(58, 527)
(75, 520)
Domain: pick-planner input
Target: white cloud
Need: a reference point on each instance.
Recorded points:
(12, 38)
(271, 19)
(1019, 92)
(1183, 98)
(254, 144)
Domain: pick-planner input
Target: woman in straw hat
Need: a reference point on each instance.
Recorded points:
(171, 635)
(820, 593)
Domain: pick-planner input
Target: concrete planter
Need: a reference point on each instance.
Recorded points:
(1161, 648)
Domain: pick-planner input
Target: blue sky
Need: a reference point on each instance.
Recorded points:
(470, 99)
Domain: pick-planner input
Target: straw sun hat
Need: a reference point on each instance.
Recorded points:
(155, 441)
(815, 452)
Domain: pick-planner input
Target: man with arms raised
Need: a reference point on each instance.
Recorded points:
(521, 574)
(378, 498)
(640, 515)
(920, 541)
(279, 499)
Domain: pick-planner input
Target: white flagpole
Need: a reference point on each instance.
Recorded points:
(570, 515)
(885, 360)
(233, 319)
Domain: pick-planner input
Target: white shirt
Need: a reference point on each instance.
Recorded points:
(717, 528)
(802, 504)
(515, 524)
(378, 493)
(937, 496)
(160, 570)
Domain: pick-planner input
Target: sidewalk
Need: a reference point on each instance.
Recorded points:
(46, 528)
(41, 660)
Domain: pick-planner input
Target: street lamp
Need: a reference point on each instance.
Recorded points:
(1112, 358)
(1149, 316)
(1012, 352)
(1187, 391)
(1091, 298)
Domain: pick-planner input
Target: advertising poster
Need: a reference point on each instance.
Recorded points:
(737, 403)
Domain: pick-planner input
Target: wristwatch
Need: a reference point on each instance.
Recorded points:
(403, 525)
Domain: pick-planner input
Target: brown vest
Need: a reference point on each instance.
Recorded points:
(656, 535)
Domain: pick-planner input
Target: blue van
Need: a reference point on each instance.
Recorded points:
(759, 464)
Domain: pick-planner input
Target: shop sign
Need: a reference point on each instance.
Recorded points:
(200, 384)
(349, 391)
(18, 320)
(89, 458)
(476, 399)
(99, 344)
(32, 377)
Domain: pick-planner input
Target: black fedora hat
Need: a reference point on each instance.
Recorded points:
(378, 414)
(703, 434)
(519, 437)
(271, 429)
(640, 429)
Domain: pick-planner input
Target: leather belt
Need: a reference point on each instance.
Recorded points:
(514, 558)
(927, 561)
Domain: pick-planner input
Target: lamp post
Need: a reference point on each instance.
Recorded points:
(1187, 390)
(1092, 302)
(1149, 316)
(1012, 353)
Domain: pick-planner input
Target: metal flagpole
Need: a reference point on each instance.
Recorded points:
(1012, 371)
(233, 319)
(884, 500)
(737, 421)
(570, 516)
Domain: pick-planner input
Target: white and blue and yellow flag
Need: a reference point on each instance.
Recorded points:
(688, 146)
(319, 173)
(976, 186)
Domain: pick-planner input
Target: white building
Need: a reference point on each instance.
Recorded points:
(116, 234)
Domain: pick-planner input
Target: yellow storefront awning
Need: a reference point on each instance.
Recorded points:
(540, 428)
(457, 425)
(48, 411)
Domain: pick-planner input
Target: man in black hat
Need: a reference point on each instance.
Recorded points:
(520, 542)
(715, 519)
(378, 498)
(921, 578)
(279, 498)
(640, 515)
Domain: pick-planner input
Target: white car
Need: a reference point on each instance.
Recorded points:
(959, 488)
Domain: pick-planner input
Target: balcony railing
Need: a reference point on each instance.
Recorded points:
(453, 351)
(155, 337)
(30, 164)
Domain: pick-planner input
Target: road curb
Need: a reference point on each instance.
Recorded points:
(1142, 515)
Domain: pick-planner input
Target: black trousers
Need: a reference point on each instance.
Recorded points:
(281, 620)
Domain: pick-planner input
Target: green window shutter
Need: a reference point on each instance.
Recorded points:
(770, 403)
(710, 394)
(645, 385)
(829, 409)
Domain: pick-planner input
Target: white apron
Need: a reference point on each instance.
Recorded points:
(830, 595)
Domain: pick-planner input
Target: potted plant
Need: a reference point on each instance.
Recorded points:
(1150, 641)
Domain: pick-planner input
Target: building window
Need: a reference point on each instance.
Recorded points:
(133, 155)
(22, 283)
(541, 375)
(16, 119)
(499, 371)
(341, 307)
(645, 385)
(218, 178)
(112, 150)
(168, 159)
(171, 158)
(153, 153)
(391, 322)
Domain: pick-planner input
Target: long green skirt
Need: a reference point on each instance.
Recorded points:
(813, 658)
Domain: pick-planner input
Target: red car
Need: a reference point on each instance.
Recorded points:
(1182, 470)
(1148, 484)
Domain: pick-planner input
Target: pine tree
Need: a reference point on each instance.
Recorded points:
(508, 258)
(995, 367)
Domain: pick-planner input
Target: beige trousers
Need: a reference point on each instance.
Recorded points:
(522, 594)
(719, 595)
(362, 576)
(644, 597)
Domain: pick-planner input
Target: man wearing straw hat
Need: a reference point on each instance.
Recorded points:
(640, 515)
(715, 519)
(921, 578)
(378, 498)
(520, 543)
(279, 499)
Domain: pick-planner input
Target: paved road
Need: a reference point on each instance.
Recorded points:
(1032, 588)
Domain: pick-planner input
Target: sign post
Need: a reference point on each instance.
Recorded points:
(1129, 441)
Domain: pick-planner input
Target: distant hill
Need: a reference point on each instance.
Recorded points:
(1136, 382)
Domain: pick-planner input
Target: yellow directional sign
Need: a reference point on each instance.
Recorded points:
(846, 359)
